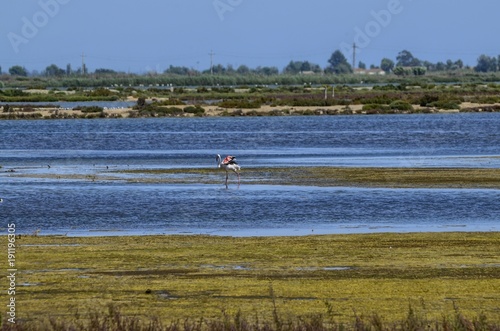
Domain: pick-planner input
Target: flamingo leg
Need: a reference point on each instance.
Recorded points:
(227, 175)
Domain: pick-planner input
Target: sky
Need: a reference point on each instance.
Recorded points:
(151, 35)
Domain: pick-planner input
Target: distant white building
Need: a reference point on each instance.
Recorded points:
(370, 72)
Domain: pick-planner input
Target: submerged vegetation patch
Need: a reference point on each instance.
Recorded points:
(333, 176)
(457, 178)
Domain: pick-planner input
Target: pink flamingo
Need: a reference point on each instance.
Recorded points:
(229, 163)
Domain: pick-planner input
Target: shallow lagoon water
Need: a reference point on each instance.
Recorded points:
(121, 208)
(87, 147)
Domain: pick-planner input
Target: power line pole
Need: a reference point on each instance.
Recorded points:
(83, 63)
(354, 56)
(212, 62)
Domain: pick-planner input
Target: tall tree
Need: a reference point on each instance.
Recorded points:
(104, 71)
(339, 64)
(230, 69)
(440, 66)
(243, 70)
(387, 65)
(406, 59)
(268, 71)
(177, 70)
(219, 69)
(18, 71)
(54, 70)
(486, 63)
(295, 67)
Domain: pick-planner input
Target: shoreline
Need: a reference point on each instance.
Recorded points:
(34, 113)
(270, 233)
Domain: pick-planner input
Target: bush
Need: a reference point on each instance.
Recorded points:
(171, 102)
(90, 109)
(369, 108)
(401, 105)
(141, 103)
(197, 110)
(223, 89)
(446, 104)
(101, 92)
(247, 104)
(427, 99)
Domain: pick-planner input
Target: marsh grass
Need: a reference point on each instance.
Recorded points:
(275, 281)
(114, 320)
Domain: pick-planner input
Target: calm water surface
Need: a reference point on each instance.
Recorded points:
(84, 147)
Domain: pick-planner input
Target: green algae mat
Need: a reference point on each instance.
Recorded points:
(480, 178)
(176, 277)
(327, 176)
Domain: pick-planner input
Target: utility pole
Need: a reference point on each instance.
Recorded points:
(83, 63)
(211, 62)
(354, 56)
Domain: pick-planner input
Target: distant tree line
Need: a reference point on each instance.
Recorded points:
(406, 64)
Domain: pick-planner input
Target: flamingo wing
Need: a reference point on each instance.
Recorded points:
(229, 160)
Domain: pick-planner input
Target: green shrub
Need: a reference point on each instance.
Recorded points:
(246, 104)
(401, 105)
(170, 102)
(374, 107)
(427, 99)
(223, 89)
(197, 110)
(90, 109)
(446, 104)
(101, 92)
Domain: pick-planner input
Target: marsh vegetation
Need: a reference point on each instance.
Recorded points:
(431, 281)
(330, 176)
(259, 100)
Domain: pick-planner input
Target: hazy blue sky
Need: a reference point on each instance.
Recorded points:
(153, 34)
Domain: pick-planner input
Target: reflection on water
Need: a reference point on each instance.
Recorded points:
(82, 148)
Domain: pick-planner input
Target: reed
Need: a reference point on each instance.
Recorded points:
(114, 320)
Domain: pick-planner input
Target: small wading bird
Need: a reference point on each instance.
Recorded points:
(229, 163)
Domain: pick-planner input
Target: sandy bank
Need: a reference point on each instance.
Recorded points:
(213, 111)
